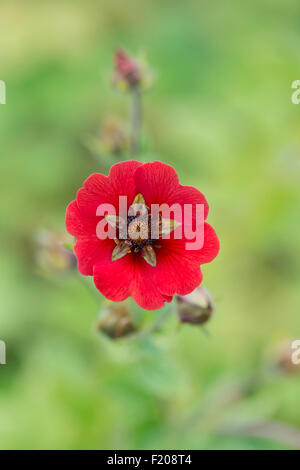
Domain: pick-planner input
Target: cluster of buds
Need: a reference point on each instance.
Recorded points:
(112, 143)
(115, 141)
(53, 252)
(195, 308)
(116, 321)
(113, 138)
(131, 73)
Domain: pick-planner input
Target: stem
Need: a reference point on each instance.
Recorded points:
(168, 310)
(161, 320)
(136, 121)
(155, 326)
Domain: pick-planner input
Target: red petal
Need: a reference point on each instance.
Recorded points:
(178, 270)
(129, 276)
(96, 190)
(188, 195)
(158, 182)
(113, 279)
(121, 179)
(92, 251)
(143, 288)
(100, 189)
(211, 245)
(77, 224)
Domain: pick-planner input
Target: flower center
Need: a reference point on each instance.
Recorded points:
(139, 233)
(138, 230)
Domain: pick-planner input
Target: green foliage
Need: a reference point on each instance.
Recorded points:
(221, 113)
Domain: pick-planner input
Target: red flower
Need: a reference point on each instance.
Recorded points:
(150, 271)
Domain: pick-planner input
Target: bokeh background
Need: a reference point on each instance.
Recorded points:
(221, 113)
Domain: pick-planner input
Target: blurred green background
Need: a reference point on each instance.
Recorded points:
(221, 113)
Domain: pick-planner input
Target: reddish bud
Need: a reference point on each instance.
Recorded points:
(126, 69)
(131, 73)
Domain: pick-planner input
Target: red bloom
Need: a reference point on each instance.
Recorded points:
(150, 271)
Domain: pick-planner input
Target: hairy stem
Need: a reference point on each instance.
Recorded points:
(156, 326)
(136, 121)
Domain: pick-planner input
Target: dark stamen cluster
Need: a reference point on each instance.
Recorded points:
(137, 245)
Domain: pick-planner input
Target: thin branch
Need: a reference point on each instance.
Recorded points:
(136, 121)
(156, 326)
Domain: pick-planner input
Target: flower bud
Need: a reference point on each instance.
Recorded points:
(110, 144)
(131, 73)
(282, 355)
(126, 69)
(53, 252)
(116, 322)
(113, 138)
(195, 308)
